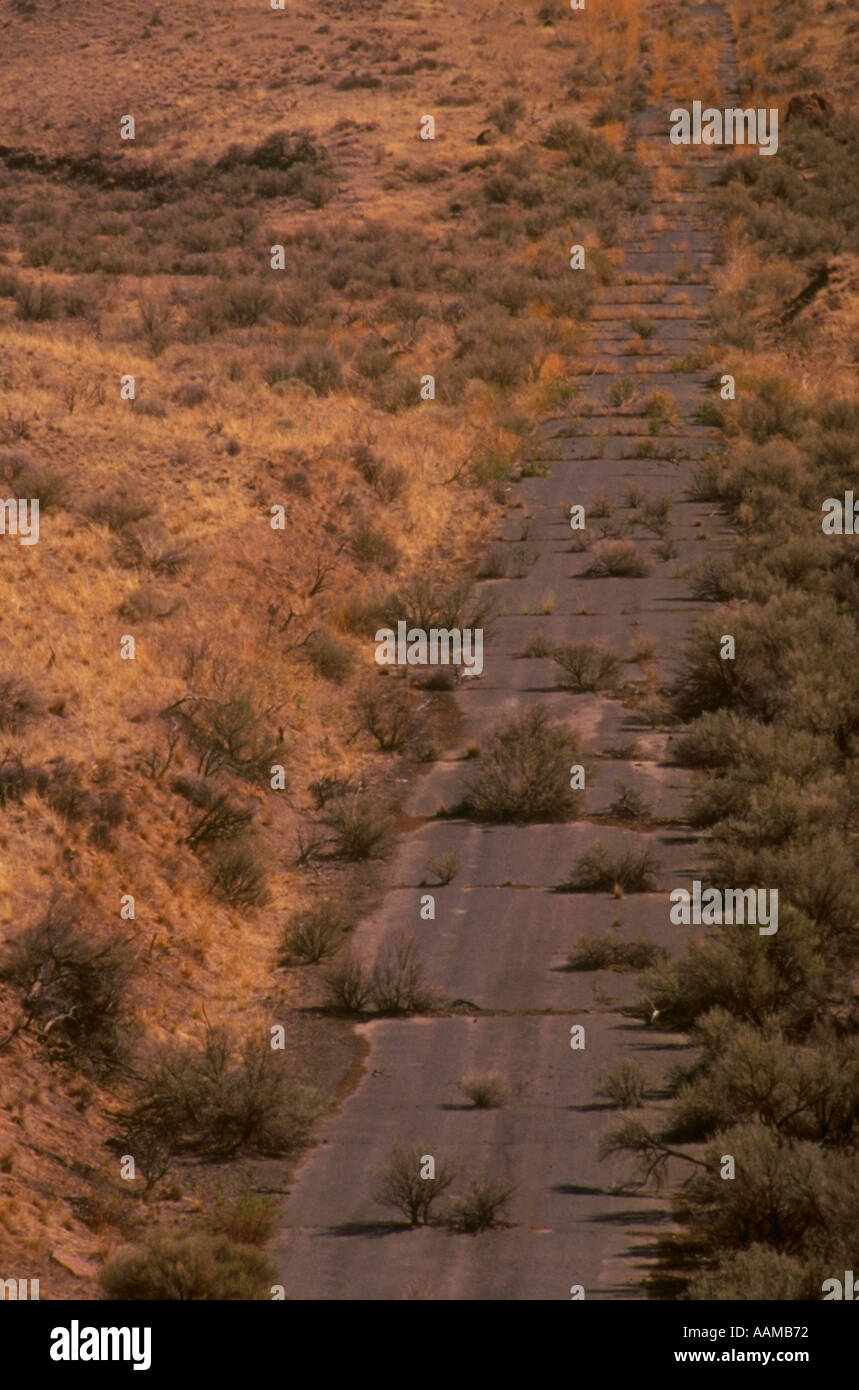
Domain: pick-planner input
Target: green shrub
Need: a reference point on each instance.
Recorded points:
(198, 1268)
(524, 774)
(759, 1273)
(250, 1220)
(597, 870)
(752, 977)
(624, 1085)
(587, 665)
(608, 952)
(226, 1096)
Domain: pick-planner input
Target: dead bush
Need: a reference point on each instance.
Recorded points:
(73, 984)
(403, 1187)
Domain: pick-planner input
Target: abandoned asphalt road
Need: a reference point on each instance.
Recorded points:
(501, 933)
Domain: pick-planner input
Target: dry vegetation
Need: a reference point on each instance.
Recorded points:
(774, 733)
(254, 388)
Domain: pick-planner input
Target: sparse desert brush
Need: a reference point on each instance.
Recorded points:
(148, 602)
(598, 870)
(537, 647)
(629, 804)
(238, 875)
(394, 985)
(249, 1220)
(73, 984)
(314, 933)
(387, 710)
(429, 600)
(320, 370)
(216, 816)
(373, 548)
(331, 657)
(610, 952)
(587, 665)
(485, 1090)
(523, 773)
(125, 506)
(398, 980)
(773, 410)
(623, 1085)
(349, 986)
(660, 407)
(189, 1268)
(496, 349)
(445, 867)
(363, 826)
(20, 702)
(622, 392)
(616, 558)
(484, 1207)
(760, 1272)
(230, 730)
(31, 479)
(225, 1095)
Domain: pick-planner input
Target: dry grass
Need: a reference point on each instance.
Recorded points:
(254, 389)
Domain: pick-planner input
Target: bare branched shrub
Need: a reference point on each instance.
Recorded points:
(349, 986)
(401, 1186)
(387, 711)
(397, 982)
(219, 818)
(484, 1207)
(230, 731)
(394, 985)
(629, 804)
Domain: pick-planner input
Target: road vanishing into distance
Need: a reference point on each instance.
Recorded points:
(501, 934)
